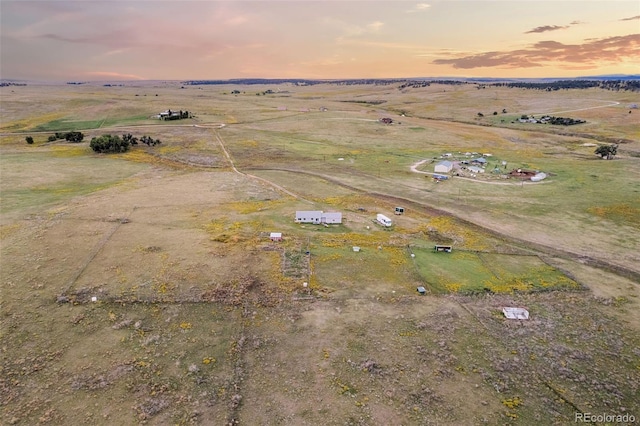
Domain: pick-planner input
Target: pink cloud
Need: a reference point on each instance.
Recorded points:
(594, 52)
(547, 28)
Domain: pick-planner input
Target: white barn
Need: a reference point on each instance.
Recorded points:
(443, 167)
(318, 216)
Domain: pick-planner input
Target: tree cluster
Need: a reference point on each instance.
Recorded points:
(564, 121)
(115, 143)
(615, 85)
(149, 141)
(608, 151)
(109, 143)
(74, 137)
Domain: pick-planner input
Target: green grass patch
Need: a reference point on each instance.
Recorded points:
(66, 124)
(371, 270)
(469, 272)
(458, 271)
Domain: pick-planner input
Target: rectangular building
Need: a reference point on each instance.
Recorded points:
(318, 216)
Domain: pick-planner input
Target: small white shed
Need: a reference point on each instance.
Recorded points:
(275, 236)
(516, 313)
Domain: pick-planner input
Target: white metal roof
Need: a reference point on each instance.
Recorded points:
(516, 313)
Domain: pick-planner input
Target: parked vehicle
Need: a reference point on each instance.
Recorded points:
(383, 220)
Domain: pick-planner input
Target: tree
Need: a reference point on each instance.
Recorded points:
(608, 151)
(29, 140)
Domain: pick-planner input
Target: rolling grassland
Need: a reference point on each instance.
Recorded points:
(142, 287)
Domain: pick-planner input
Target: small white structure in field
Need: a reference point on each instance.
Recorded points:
(383, 220)
(356, 249)
(275, 236)
(538, 177)
(443, 167)
(516, 313)
(318, 216)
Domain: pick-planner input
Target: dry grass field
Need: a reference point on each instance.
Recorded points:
(143, 288)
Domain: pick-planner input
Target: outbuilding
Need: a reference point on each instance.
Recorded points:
(516, 313)
(275, 236)
(479, 161)
(443, 167)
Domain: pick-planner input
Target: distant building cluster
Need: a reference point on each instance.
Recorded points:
(173, 115)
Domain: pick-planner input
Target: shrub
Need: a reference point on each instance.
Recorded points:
(29, 140)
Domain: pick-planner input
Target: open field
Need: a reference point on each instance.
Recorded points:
(199, 318)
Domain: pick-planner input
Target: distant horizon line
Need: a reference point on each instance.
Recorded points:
(301, 79)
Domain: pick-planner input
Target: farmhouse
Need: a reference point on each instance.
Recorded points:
(318, 216)
(443, 167)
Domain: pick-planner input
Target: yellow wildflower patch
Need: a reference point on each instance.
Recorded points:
(621, 211)
(514, 402)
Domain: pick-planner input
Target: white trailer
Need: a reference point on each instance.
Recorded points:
(383, 220)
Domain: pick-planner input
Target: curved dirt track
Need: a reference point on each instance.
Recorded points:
(414, 168)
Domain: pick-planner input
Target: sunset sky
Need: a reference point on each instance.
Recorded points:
(86, 40)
